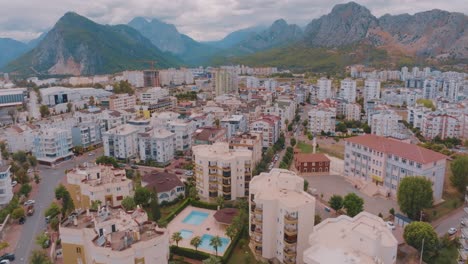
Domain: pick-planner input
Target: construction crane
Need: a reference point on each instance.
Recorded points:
(152, 63)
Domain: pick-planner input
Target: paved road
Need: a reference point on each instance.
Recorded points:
(50, 178)
(453, 220)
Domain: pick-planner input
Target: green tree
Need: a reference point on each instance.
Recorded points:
(317, 219)
(53, 210)
(212, 260)
(459, 168)
(107, 161)
(18, 213)
(231, 231)
(391, 211)
(61, 193)
(20, 156)
(44, 110)
(25, 189)
(306, 185)
(128, 203)
(91, 101)
(216, 242)
(142, 196)
(39, 257)
(196, 242)
(416, 231)
(41, 240)
(290, 127)
(414, 194)
(96, 204)
(154, 205)
(341, 127)
(353, 204)
(32, 160)
(217, 122)
(69, 107)
(22, 176)
(336, 202)
(3, 245)
(293, 142)
(176, 237)
(220, 201)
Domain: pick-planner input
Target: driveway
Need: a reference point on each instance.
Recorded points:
(329, 185)
(50, 178)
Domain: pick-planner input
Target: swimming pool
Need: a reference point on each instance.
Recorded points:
(195, 218)
(186, 234)
(205, 244)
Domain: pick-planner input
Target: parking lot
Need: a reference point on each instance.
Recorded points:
(329, 185)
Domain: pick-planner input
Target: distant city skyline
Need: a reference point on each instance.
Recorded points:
(203, 20)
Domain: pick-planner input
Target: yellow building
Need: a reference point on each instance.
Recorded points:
(90, 182)
(112, 236)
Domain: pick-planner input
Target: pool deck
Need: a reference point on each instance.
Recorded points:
(177, 224)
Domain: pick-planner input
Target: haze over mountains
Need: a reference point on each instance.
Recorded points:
(77, 45)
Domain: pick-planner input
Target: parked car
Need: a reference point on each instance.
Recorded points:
(22, 220)
(91, 154)
(463, 223)
(47, 219)
(390, 225)
(135, 167)
(14, 183)
(452, 231)
(5, 261)
(30, 210)
(189, 173)
(8, 256)
(29, 202)
(178, 172)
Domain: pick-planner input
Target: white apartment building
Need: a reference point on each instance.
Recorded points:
(324, 89)
(20, 137)
(371, 89)
(384, 162)
(451, 89)
(385, 123)
(416, 116)
(220, 171)
(441, 124)
(430, 88)
(6, 190)
(122, 101)
(353, 112)
(183, 134)
(153, 95)
(270, 128)
(281, 216)
(225, 81)
(234, 124)
(322, 119)
(90, 182)
(52, 146)
(157, 145)
(285, 109)
(250, 141)
(121, 142)
(252, 82)
(87, 134)
(175, 77)
(348, 90)
(363, 239)
(113, 236)
(135, 78)
(270, 85)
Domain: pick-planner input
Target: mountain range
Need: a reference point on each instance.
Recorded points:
(348, 34)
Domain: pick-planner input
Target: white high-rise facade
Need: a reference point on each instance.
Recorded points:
(385, 123)
(371, 89)
(281, 216)
(324, 89)
(348, 90)
(322, 120)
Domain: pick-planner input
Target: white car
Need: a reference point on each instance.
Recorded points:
(14, 183)
(390, 225)
(29, 202)
(452, 231)
(91, 154)
(189, 173)
(5, 261)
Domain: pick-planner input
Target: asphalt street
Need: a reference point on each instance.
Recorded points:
(50, 178)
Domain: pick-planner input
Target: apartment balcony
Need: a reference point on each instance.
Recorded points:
(227, 189)
(289, 253)
(226, 168)
(226, 182)
(213, 180)
(213, 187)
(248, 178)
(258, 209)
(290, 219)
(252, 227)
(292, 231)
(213, 194)
(289, 260)
(212, 166)
(258, 249)
(256, 219)
(290, 240)
(258, 231)
(227, 196)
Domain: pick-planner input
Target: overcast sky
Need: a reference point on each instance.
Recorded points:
(200, 19)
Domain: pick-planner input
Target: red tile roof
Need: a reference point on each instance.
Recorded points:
(163, 181)
(226, 215)
(399, 148)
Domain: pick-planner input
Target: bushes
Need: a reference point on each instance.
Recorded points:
(189, 253)
(204, 205)
(173, 214)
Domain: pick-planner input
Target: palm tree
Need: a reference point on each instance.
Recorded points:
(216, 242)
(176, 237)
(196, 242)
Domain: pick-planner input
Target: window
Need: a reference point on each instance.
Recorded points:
(78, 250)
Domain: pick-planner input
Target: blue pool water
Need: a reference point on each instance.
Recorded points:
(205, 244)
(186, 234)
(195, 218)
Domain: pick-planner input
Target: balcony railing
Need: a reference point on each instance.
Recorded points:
(258, 231)
(290, 253)
(290, 240)
(289, 260)
(290, 231)
(290, 219)
(258, 209)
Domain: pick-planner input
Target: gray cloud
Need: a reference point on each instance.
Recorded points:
(200, 19)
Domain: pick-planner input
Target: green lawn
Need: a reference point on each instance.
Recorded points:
(304, 147)
(168, 209)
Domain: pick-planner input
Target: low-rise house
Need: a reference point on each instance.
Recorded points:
(310, 163)
(168, 185)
